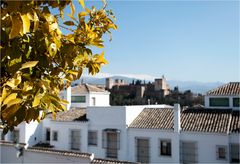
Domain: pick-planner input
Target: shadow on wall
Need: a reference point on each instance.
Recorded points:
(35, 131)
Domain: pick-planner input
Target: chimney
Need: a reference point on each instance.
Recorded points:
(177, 122)
(69, 97)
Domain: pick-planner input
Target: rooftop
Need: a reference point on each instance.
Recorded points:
(86, 88)
(198, 120)
(74, 114)
(232, 88)
(69, 154)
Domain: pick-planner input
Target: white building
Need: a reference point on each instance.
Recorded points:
(85, 95)
(149, 134)
(226, 96)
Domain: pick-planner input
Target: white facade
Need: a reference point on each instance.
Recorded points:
(91, 98)
(207, 102)
(30, 134)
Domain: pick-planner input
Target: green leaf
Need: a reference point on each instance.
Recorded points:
(29, 64)
(69, 23)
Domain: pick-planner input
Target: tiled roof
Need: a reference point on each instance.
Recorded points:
(232, 88)
(59, 152)
(154, 119)
(199, 120)
(205, 120)
(74, 114)
(69, 154)
(109, 161)
(235, 122)
(86, 88)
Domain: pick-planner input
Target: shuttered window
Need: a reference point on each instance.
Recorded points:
(92, 138)
(221, 152)
(188, 152)
(111, 142)
(75, 139)
(142, 150)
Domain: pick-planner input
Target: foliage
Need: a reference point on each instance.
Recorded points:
(38, 60)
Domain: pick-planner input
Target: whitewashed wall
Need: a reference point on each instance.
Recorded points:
(207, 102)
(154, 136)
(112, 117)
(206, 143)
(64, 134)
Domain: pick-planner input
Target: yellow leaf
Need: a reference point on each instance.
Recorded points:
(101, 59)
(27, 86)
(72, 8)
(82, 3)
(29, 64)
(9, 98)
(16, 26)
(82, 14)
(4, 93)
(13, 102)
(26, 23)
(65, 102)
(36, 100)
(36, 22)
(8, 113)
(52, 49)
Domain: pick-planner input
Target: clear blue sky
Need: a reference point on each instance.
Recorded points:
(184, 40)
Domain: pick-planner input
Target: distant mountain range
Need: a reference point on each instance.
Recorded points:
(194, 86)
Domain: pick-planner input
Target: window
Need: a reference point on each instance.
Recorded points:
(111, 142)
(92, 138)
(48, 134)
(219, 102)
(165, 147)
(75, 140)
(235, 153)
(55, 136)
(15, 136)
(142, 150)
(78, 99)
(221, 152)
(188, 152)
(236, 102)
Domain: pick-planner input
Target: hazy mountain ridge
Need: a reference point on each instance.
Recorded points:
(194, 86)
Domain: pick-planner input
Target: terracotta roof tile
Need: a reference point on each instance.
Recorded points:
(232, 88)
(74, 114)
(86, 88)
(199, 120)
(205, 120)
(59, 152)
(109, 161)
(235, 122)
(154, 119)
